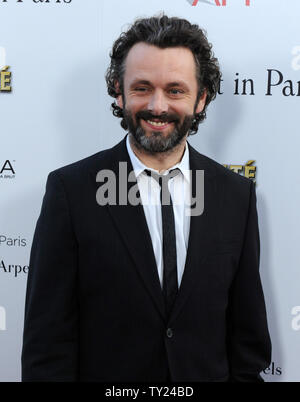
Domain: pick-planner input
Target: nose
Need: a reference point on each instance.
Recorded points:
(158, 103)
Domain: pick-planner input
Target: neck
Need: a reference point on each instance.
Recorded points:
(160, 161)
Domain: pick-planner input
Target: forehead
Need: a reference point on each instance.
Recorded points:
(148, 62)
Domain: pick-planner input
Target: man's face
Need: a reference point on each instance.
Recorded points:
(160, 91)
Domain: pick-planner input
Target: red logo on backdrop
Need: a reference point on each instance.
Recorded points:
(218, 3)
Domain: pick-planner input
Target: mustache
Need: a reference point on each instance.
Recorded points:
(164, 117)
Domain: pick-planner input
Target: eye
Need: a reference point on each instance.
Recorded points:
(141, 89)
(176, 91)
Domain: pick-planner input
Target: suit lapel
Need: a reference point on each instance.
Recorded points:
(130, 222)
(203, 229)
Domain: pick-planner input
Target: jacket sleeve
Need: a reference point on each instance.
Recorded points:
(249, 344)
(50, 339)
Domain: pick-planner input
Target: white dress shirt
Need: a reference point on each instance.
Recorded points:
(179, 187)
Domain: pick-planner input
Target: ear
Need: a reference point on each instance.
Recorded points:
(201, 102)
(120, 101)
(119, 97)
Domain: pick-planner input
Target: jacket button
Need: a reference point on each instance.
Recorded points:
(169, 333)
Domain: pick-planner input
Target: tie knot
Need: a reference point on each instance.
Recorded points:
(160, 178)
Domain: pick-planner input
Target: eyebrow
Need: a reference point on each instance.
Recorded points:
(140, 82)
(169, 85)
(177, 84)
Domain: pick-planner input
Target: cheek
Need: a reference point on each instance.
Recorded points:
(133, 107)
(135, 103)
(184, 109)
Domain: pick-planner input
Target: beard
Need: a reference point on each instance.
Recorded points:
(156, 141)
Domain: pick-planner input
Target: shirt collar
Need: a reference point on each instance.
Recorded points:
(139, 167)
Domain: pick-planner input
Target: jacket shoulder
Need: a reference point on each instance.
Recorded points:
(76, 171)
(220, 171)
(231, 176)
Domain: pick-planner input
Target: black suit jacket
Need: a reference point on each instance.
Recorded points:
(94, 305)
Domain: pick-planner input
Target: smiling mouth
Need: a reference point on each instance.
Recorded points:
(157, 125)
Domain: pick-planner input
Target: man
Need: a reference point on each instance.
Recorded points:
(148, 291)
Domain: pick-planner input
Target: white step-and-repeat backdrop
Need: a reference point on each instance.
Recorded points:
(54, 110)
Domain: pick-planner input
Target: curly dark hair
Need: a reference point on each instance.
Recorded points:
(163, 32)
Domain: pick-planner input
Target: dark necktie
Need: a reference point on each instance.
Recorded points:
(170, 281)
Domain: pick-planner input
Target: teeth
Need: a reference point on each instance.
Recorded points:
(156, 123)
